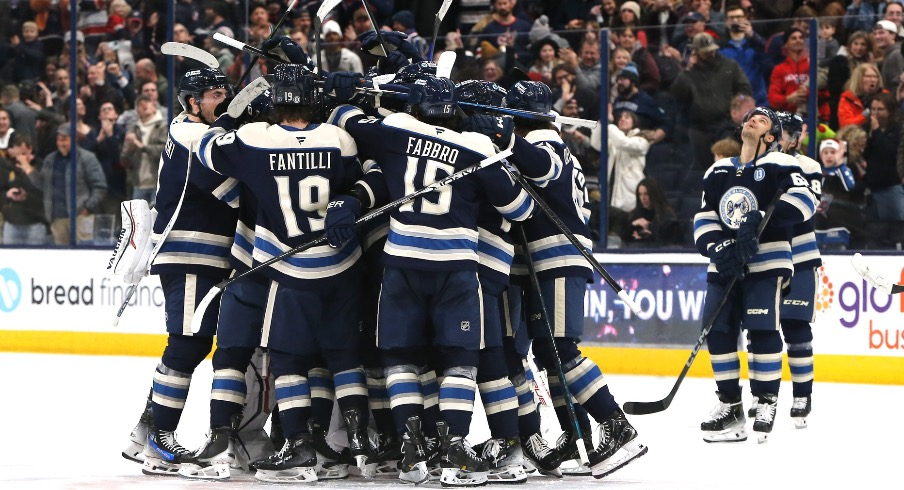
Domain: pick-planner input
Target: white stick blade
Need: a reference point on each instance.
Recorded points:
(874, 279)
(189, 51)
(246, 95)
(232, 43)
(326, 7)
(441, 14)
(575, 121)
(198, 317)
(445, 63)
(623, 295)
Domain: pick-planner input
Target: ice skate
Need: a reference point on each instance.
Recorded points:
(537, 453)
(726, 423)
(389, 452)
(413, 466)
(505, 460)
(358, 443)
(462, 467)
(294, 463)
(135, 450)
(212, 461)
(331, 464)
(162, 454)
(800, 409)
(569, 456)
(765, 416)
(618, 446)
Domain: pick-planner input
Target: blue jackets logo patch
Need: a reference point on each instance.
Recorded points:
(734, 204)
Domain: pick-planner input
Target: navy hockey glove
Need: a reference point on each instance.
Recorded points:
(727, 260)
(500, 129)
(289, 50)
(369, 40)
(342, 84)
(341, 214)
(747, 241)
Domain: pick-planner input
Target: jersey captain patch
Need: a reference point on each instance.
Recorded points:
(734, 204)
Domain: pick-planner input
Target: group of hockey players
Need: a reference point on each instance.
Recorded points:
(399, 317)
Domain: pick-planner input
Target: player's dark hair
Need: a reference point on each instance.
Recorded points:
(309, 114)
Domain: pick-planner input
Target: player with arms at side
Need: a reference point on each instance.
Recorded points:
(735, 193)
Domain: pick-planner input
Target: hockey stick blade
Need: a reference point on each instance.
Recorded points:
(873, 278)
(326, 7)
(445, 63)
(198, 316)
(192, 52)
(243, 99)
(236, 44)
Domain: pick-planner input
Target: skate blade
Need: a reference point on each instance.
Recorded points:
(799, 423)
(214, 471)
(307, 474)
(417, 475)
(762, 438)
(331, 471)
(509, 475)
(453, 477)
(135, 456)
(625, 455)
(574, 467)
(387, 469)
(156, 467)
(734, 434)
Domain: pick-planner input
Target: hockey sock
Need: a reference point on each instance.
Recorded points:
(500, 402)
(528, 417)
(430, 390)
(378, 400)
(723, 353)
(456, 398)
(168, 398)
(229, 387)
(293, 396)
(351, 392)
(405, 398)
(765, 361)
(799, 337)
(588, 386)
(321, 383)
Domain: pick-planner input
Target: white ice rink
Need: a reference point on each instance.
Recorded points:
(65, 419)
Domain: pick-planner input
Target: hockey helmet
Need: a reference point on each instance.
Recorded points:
(776, 129)
(411, 72)
(480, 92)
(792, 123)
(434, 96)
(196, 82)
(529, 96)
(294, 85)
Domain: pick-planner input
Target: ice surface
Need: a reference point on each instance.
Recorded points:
(65, 419)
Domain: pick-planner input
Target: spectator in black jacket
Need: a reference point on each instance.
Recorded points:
(882, 177)
(22, 202)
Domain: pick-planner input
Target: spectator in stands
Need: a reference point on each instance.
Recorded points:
(660, 18)
(86, 134)
(259, 21)
(335, 56)
(6, 132)
(704, 93)
(692, 24)
(841, 205)
(864, 84)
(92, 22)
(789, 83)
(588, 82)
(776, 52)
(882, 176)
(861, 15)
(629, 16)
(53, 178)
(83, 61)
(46, 123)
(826, 44)
(60, 89)
(889, 57)
(646, 65)
(578, 141)
(503, 26)
(26, 54)
(572, 16)
(859, 49)
(627, 158)
(97, 91)
(546, 57)
(403, 21)
(216, 15)
(651, 118)
(618, 60)
(652, 222)
(141, 150)
(146, 71)
(301, 20)
(23, 203)
(894, 12)
(128, 118)
(746, 47)
(21, 117)
(715, 20)
(725, 148)
(110, 135)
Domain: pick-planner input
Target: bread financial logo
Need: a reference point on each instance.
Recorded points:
(10, 290)
(736, 202)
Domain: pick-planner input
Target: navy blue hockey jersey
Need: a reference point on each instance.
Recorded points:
(293, 173)
(201, 237)
(804, 249)
(437, 231)
(732, 188)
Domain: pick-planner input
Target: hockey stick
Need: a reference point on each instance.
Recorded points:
(320, 240)
(445, 63)
(622, 294)
(191, 52)
(325, 8)
(875, 280)
(645, 408)
(254, 58)
(539, 116)
(440, 15)
(560, 372)
(243, 99)
(384, 48)
(235, 43)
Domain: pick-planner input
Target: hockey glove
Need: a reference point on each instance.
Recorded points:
(259, 106)
(369, 40)
(341, 214)
(285, 47)
(342, 85)
(728, 262)
(747, 241)
(500, 129)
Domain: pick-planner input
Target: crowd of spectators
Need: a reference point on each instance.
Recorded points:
(681, 74)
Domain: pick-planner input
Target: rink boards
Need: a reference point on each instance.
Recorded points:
(62, 301)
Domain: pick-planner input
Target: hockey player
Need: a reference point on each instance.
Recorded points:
(735, 194)
(799, 302)
(197, 232)
(563, 274)
(430, 261)
(294, 168)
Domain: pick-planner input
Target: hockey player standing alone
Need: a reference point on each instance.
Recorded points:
(735, 193)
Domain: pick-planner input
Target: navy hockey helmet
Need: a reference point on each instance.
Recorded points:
(294, 85)
(480, 92)
(776, 129)
(196, 82)
(409, 73)
(529, 96)
(792, 123)
(434, 96)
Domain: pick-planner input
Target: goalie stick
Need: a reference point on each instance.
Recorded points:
(321, 239)
(645, 408)
(875, 280)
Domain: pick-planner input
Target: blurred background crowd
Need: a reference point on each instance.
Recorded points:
(670, 85)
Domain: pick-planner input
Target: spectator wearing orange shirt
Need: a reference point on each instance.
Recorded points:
(864, 84)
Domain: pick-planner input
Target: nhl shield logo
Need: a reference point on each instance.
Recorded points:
(734, 204)
(466, 326)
